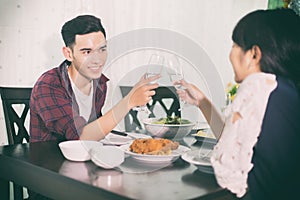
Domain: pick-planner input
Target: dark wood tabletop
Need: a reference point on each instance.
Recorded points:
(42, 168)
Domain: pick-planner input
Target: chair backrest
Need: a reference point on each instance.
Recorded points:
(15, 124)
(163, 93)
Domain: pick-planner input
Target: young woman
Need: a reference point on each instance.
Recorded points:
(257, 153)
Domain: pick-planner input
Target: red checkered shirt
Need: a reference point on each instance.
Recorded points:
(54, 112)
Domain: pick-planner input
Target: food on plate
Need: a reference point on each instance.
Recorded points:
(172, 120)
(201, 133)
(153, 146)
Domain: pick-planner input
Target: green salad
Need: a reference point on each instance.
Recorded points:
(172, 120)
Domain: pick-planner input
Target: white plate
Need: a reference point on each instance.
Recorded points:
(200, 158)
(113, 139)
(156, 158)
(201, 126)
(205, 140)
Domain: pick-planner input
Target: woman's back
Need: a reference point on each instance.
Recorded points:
(277, 152)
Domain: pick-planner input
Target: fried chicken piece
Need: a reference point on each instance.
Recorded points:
(158, 146)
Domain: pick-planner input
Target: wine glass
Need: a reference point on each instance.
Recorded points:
(176, 74)
(154, 67)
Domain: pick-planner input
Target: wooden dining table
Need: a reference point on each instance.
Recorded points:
(42, 168)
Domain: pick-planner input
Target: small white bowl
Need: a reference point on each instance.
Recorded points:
(78, 150)
(107, 157)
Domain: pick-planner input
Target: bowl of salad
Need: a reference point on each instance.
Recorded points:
(171, 127)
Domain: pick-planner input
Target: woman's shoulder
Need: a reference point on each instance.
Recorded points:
(285, 96)
(255, 90)
(283, 107)
(286, 89)
(258, 81)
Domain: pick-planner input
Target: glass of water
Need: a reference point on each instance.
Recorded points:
(154, 67)
(176, 74)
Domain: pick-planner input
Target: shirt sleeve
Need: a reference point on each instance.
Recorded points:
(232, 155)
(58, 111)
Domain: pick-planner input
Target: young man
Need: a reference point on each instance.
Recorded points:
(66, 101)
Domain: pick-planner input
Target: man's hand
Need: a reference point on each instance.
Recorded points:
(142, 92)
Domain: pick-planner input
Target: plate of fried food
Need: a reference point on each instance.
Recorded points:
(154, 150)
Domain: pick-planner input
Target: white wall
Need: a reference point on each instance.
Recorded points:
(30, 41)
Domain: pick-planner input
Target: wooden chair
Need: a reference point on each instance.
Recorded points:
(16, 131)
(15, 124)
(132, 123)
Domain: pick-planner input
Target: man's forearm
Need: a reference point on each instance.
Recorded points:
(99, 128)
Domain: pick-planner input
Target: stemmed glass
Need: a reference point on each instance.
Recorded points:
(154, 67)
(176, 74)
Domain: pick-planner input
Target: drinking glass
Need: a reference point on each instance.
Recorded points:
(176, 74)
(154, 67)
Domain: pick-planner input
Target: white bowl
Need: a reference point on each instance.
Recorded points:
(77, 150)
(107, 157)
(169, 131)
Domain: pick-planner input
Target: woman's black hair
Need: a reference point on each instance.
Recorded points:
(277, 34)
(80, 25)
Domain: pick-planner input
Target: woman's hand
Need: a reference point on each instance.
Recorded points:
(142, 92)
(191, 94)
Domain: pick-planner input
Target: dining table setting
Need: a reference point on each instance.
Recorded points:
(111, 169)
